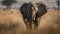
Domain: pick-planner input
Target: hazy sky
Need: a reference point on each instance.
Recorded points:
(49, 2)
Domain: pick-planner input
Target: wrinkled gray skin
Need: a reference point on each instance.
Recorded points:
(31, 12)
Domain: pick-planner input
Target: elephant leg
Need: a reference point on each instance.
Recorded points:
(30, 24)
(35, 23)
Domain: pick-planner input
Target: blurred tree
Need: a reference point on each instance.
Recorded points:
(58, 3)
(8, 3)
(47, 0)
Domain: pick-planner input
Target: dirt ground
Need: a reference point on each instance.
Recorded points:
(49, 24)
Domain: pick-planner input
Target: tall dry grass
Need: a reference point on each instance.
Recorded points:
(49, 24)
(11, 22)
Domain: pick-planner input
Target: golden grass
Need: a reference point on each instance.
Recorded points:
(49, 24)
(8, 17)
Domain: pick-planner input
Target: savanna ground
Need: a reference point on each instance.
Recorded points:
(49, 24)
